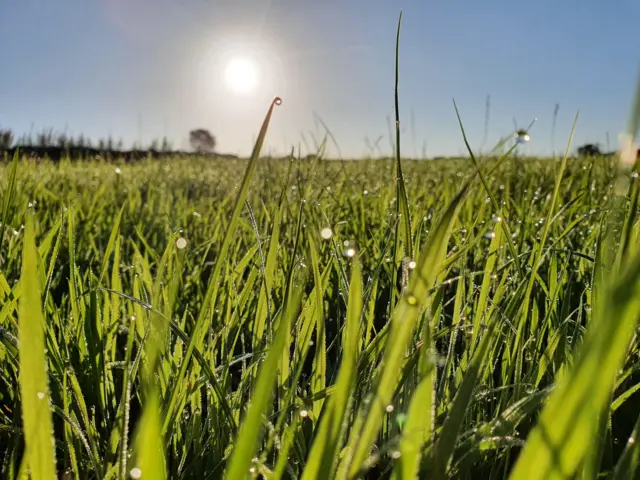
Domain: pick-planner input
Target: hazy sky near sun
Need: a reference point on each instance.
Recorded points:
(140, 69)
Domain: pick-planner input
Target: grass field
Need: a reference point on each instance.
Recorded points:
(312, 319)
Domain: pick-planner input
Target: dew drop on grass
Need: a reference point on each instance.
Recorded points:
(135, 473)
(181, 243)
(349, 249)
(118, 171)
(412, 300)
(41, 395)
(522, 137)
(412, 264)
(304, 413)
(489, 234)
(326, 233)
(395, 454)
(389, 408)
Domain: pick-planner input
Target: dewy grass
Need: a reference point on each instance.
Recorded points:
(259, 347)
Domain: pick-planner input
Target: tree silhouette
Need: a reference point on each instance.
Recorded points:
(6, 139)
(589, 150)
(202, 141)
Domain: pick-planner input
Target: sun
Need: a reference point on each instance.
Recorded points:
(241, 76)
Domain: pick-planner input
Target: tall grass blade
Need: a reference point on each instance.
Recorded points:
(403, 322)
(34, 388)
(558, 444)
(250, 431)
(324, 452)
(212, 289)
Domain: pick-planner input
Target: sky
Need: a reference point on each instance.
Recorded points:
(144, 69)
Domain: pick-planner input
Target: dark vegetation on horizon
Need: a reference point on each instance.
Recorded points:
(57, 146)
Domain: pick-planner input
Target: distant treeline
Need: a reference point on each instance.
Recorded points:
(56, 154)
(52, 145)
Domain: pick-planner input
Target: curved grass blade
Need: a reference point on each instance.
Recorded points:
(212, 288)
(403, 219)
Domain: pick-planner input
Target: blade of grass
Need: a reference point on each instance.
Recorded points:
(213, 285)
(564, 432)
(34, 389)
(251, 428)
(323, 457)
(403, 322)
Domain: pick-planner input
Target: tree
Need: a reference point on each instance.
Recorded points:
(6, 139)
(589, 150)
(202, 141)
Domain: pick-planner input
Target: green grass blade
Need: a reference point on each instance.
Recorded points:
(445, 445)
(148, 459)
(212, 289)
(558, 444)
(34, 389)
(251, 428)
(627, 466)
(324, 451)
(9, 195)
(403, 322)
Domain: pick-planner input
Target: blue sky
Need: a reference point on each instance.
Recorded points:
(140, 69)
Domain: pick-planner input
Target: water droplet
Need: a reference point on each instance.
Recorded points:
(118, 171)
(277, 101)
(412, 264)
(366, 192)
(304, 413)
(389, 408)
(489, 234)
(135, 473)
(395, 454)
(497, 219)
(181, 243)
(412, 300)
(326, 233)
(40, 395)
(253, 469)
(522, 137)
(349, 249)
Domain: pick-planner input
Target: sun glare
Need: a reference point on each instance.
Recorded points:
(241, 76)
